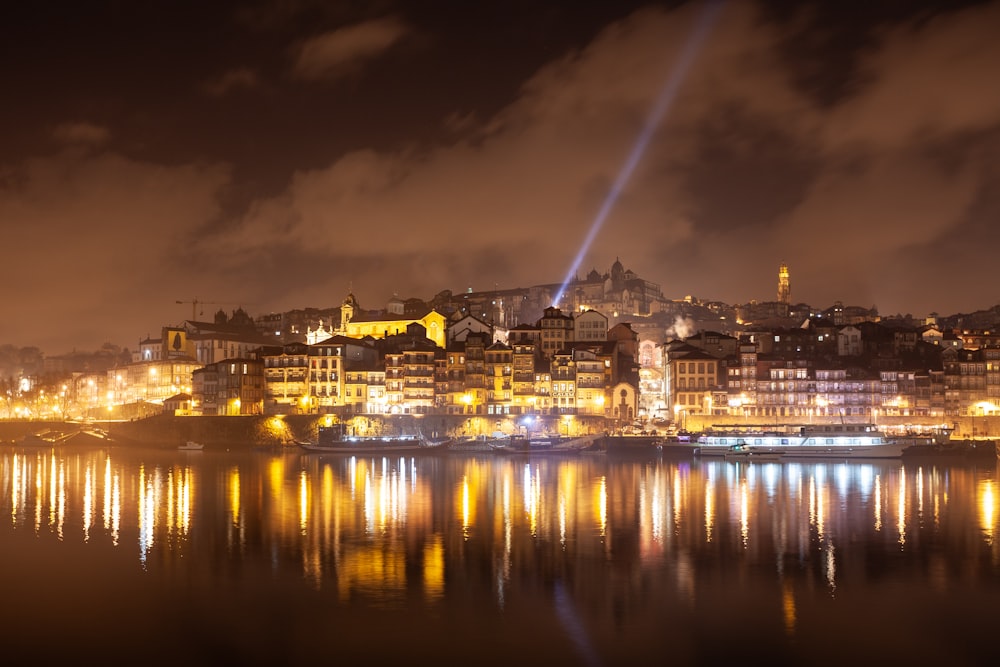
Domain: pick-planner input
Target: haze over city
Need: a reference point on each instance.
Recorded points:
(274, 155)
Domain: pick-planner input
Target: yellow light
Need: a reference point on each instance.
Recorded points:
(987, 407)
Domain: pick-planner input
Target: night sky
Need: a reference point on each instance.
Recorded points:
(277, 154)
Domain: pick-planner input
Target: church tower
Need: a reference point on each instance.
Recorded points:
(347, 310)
(784, 288)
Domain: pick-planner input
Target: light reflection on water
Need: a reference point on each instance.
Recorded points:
(570, 556)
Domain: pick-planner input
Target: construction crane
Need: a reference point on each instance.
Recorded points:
(195, 303)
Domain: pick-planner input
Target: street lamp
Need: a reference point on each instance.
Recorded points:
(527, 422)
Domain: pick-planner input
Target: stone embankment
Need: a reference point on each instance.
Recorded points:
(171, 431)
(168, 431)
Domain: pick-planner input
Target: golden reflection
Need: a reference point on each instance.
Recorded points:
(830, 565)
(303, 502)
(602, 505)
(877, 503)
(147, 513)
(987, 503)
(920, 492)
(15, 488)
(172, 502)
(901, 510)
(339, 514)
(507, 484)
(650, 517)
(679, 506)
(744, 514)
(814, 513)
(374, 572)
(369, 505)
(709, 509)
(532, 496)
(434, 568)
(60, 495)
(567, 500)
(106, 516)
(562, 520)
(116, 509)
(234, 496)
(53, 488)
(39, 492)
(185, 498)
(465, 507)
(88, 502)
(788, 608)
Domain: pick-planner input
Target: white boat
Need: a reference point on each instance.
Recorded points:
(192, 446)
(821, 441)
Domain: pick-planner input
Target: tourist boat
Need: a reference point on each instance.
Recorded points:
(191, 446)
(334, 440)
(822, 441)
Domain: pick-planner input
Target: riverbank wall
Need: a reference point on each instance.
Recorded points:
(231, 432)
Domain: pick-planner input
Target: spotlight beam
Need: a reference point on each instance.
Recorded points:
(660, 108)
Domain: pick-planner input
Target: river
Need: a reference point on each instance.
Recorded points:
(117, 555)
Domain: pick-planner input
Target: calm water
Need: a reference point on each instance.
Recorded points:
(118, 556)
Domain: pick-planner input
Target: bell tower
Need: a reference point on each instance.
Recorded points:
(784, 287)
(347, 310)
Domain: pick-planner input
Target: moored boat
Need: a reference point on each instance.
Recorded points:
(822, 441)
(191, 446)
(48, 438)
(334, 440)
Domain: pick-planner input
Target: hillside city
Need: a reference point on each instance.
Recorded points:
(612, 353)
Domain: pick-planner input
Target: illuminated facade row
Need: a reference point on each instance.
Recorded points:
(846, 373)
(471, 377)
(401, 371)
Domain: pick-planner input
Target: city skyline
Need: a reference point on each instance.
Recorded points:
(277, 155)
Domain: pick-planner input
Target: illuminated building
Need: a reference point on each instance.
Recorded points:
(556, 330)
(784, 286)
(356, 324)
(229, 387)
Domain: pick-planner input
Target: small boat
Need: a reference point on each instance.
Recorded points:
(192, 446)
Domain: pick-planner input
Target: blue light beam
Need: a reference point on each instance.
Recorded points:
(663, 102)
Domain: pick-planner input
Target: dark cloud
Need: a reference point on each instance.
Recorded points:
(344, 50)
(860, 150)
(240, 78)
